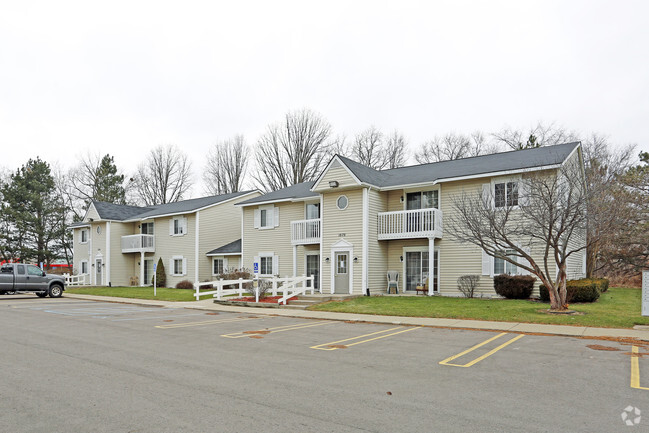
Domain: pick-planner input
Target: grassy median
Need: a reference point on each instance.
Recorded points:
(617, 308)
(163, 293)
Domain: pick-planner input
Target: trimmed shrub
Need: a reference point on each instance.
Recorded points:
(584, 290)
(185, 284)
(602, 283)
(514, 286)
(160, 274)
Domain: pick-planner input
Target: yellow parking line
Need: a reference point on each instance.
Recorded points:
(327, 346)
(447, 361)
(206, 322)
(635, 370)
(277, 329)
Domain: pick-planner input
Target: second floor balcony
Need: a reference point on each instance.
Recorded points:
(138, 244)
(306, 232)
(409, 224)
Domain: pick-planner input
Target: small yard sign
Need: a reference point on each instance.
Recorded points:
(645, 293)
(255, 267)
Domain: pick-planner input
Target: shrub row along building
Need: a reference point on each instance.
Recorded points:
(348, 228)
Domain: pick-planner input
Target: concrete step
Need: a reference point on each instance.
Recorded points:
(305, 302)
(294, 307)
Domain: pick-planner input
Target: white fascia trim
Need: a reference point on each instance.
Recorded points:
(335, 158)
(476, 176)
(223, 254)
(260, 203)
(571, 153)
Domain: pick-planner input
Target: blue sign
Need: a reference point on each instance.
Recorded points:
(255, 267)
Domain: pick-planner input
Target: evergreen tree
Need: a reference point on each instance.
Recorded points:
(160, 274)
(33, 212)
(109, 185)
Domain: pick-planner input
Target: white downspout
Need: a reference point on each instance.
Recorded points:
(365, 246)
(108, 253)
(196, 248)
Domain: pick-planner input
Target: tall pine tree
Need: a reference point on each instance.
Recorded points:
(33, 212)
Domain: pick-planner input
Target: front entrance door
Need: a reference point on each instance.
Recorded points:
(341, 273)
(148, 271)
(98, 279)
(313, 268)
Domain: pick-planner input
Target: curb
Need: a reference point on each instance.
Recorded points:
(474, 325)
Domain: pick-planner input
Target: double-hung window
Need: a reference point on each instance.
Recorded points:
(266, 265)
(266, 217)
(218, 266)
(506, 194)
(84, 236)
(502, 266)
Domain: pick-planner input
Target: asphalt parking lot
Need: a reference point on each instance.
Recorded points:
(79, 366)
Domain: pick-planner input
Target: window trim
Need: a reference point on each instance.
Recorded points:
(83, 262)
(270, 217)
(223, 266)
(182, 225)
(505, 180)
(272, 259)
(81, 241)
(182, 265)
(346, 202)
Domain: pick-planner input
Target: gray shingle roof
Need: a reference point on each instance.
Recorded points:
(231, 248)
(505, 161)
(116, 212)
(299, 190)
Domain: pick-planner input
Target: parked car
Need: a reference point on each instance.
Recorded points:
(18, 277)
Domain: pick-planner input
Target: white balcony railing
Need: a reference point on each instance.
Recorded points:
(305, 232)
(408, 224)
(138, 244)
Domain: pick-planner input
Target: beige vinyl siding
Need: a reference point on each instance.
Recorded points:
(349, 223)
(92, 213)
(122, 266)
(276, 240)
(167, 246)
(574, 264)
(338, 173)
(394, 202)
(219, 225)
(377, 250)
(80, 252)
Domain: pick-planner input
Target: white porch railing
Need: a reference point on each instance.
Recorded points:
(77, 280)
(406, 224)
(287, 286)
(305, 232)
(138, 244)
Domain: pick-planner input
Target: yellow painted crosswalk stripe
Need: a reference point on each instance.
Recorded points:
(448, 360)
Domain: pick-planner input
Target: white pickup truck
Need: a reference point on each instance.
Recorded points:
(17, 277)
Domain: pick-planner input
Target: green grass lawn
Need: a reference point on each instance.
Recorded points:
(164, 294)
(617, 308)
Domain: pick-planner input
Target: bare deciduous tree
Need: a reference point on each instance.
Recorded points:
(549, 216)
(538, 135)
(454, 146)
(368, 148)
(225, 167)
(292, 151)
(395, 149)
(164, 177)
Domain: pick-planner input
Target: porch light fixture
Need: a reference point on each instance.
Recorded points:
(327, 259)
(401, 259)
(333, 184)
(355, 259)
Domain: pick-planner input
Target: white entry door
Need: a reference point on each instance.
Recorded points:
(341, 272)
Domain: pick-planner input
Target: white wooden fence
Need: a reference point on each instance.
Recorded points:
(77, 280)
(288, 286)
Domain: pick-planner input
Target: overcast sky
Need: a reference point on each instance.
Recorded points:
(123, 77)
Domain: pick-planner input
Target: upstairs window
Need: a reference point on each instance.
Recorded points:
(84, 236)
(313, 211)
(506, 194)
(266, 217)
(178, 226)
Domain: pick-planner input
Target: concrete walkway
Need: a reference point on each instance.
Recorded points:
(566, 330)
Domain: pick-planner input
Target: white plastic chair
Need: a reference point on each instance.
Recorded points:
(393, 281)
